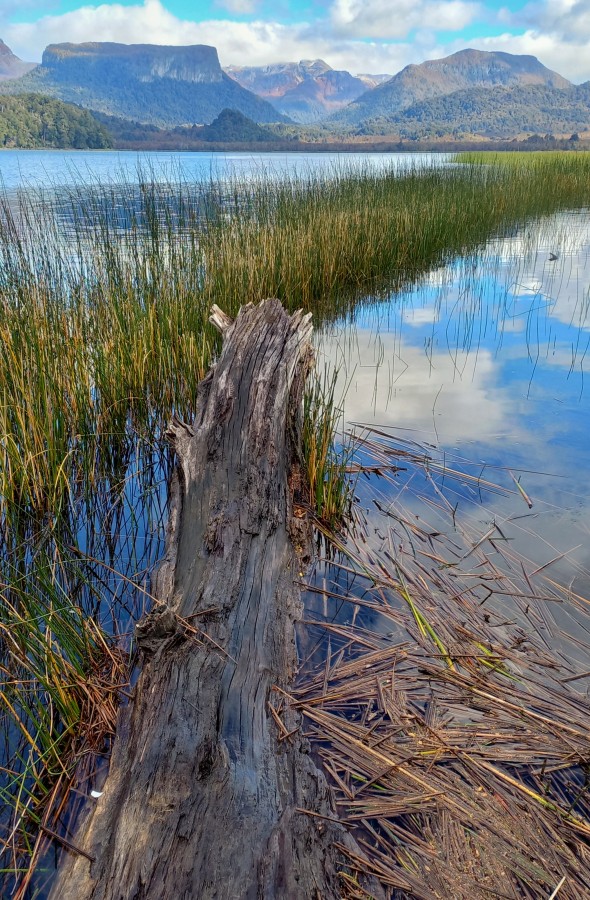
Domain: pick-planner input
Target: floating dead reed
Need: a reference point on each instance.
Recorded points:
(448, 699)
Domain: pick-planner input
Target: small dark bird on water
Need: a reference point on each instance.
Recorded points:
(552, 257)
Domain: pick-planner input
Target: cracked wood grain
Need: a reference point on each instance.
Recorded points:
(205, 795)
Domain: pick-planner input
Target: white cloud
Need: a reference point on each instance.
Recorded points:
(388, 381)
(555, 31)
(145, 22)
(358, 35)
(240, 43)
(377, 18)
(417, 317)
(567, 19)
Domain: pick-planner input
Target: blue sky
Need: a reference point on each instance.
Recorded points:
(377, 36)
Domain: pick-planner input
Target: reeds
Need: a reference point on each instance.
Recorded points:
(328, 476)
(105, 294)
(105, 299)
(459, 751)
(60, 694)
(326, 244)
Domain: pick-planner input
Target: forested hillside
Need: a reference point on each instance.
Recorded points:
(33, 120)
(157, 85)
(499, 113)
(467, 70)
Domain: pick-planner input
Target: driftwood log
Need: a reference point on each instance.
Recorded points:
(212, 792)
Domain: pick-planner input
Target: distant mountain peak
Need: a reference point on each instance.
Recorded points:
(10, 65)
(497, 67)
(315, 66)
(305, 91)
(463, 70)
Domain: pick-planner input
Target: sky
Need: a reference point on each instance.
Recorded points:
(362, 36)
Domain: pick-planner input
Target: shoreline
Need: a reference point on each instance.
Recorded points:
(368, 148)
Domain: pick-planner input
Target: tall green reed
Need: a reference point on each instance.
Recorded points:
(327, 472)
(105, 294)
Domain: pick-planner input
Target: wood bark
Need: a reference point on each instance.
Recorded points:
(206, 792)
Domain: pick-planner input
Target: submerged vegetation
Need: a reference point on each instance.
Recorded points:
(105, 293)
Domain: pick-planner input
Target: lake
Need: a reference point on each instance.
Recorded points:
(47, 168)
(466, 392)
(487, 359)
(484, 359)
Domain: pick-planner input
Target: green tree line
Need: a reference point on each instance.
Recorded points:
(33, 120)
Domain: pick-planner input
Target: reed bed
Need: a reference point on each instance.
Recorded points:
(552, 162)
(450, 711)
(105, 292)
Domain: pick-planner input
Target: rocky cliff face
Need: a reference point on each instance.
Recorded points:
(439, 77)
(142, 62)
(304, 91)
(151, 84)
(10, 65)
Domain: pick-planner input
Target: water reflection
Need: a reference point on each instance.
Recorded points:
(487, 359)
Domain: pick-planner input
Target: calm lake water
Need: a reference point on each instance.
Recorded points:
(489, 359)
(485, 360)
(47, 168)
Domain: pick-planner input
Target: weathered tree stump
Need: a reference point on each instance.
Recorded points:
(208, 784)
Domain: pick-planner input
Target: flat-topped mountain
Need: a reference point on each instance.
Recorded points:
(305, 91)
(10, 65)
(197, 64)
(461, 71)
(149, 83)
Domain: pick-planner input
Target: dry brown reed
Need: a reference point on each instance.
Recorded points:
(449, 712)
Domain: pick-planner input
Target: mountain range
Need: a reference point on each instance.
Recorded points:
(149, 83)
(465, 71)
(491, 94)
(306, 91)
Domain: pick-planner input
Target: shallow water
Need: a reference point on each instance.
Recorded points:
(487, 361)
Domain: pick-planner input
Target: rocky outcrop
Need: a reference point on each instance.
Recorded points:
(197, 64)
(10, 65)
(305, 91)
